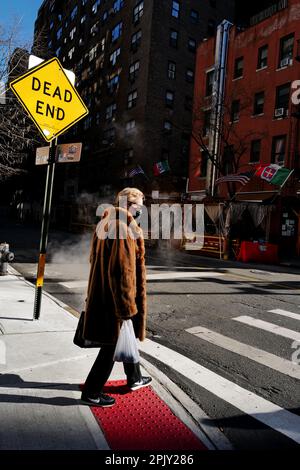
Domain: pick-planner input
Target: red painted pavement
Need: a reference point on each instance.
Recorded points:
(140, 420)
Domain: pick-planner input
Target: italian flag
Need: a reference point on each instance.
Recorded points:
(160, 167)
(273, 173)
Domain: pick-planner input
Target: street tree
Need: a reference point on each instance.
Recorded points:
(18, 135)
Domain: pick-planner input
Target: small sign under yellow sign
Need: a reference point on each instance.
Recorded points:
(65, 153)
(49, 98)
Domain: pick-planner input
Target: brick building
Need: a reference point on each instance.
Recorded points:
(259, 125)
(134, 62)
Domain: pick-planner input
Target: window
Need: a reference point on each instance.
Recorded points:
(259, 101)
(102, 45)
(116, 32)
(170, 99)
(282, 100)
(118, 4)
(58, 51)
(255, 151)
(194, 16)
(130, 125)
(206, 122)
(95, 6)
(132, 99)
(278, 149)
(113, 82)
(114, 56)
(174, 38)
(238, 67)
(104, 17)
(189, 75)
(58, 33)
(110, 111)
(262, 57)
(286, 50)
(51, 24)
(82, 19)
(211, 27)
(192, 45)
(168, 126)
(71, 52)
(94, 29)
(136, 39)
(171, 70)
(175, 9)
(74, 13)
(50, 44)
(92, 53)
(203, 163)
(87, 123)
(72, 33)
(235, 110)
(188, 103)
(138, 12)
(209, 82)
(128, 156)
(109, 135)
(134, 70)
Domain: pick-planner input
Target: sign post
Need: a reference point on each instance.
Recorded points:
(44, 231)
(54, 105)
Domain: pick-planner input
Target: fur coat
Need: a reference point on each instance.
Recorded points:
(117, 280)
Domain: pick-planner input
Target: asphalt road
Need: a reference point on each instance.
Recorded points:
(243, 322)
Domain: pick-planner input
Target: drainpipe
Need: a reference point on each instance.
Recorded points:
(221, 53)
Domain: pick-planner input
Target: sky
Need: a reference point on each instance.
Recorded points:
(22, 11)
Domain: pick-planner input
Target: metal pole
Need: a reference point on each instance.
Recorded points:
(45, 230)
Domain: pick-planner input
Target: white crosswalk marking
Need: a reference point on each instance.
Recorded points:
(285, 313)
(248, 402)
(262, 357)
(270, 327)
(154, 276)
(182, 275)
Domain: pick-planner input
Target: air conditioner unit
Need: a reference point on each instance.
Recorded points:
(279, 112)
(286, 62)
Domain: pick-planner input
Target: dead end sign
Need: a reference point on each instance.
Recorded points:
(49, 98)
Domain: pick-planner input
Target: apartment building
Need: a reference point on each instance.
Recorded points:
(259, 122)
(135, 67)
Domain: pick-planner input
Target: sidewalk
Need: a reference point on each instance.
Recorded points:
(40, 375)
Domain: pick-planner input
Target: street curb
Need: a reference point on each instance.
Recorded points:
(187, 410)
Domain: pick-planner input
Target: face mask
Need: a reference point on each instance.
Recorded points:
(137, 214)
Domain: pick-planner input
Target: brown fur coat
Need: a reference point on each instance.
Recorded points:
(117, 280)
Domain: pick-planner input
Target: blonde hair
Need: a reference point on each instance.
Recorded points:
(132, 195)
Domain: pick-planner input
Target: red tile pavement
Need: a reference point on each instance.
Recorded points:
(140, 420)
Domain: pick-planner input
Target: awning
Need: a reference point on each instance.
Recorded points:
(256, 196)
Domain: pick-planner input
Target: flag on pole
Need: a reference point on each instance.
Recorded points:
(136, 171)
(274, 174)
(161, 167)
(242, 178)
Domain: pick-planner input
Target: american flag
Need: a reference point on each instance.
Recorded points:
(242, 178)
(136, 171)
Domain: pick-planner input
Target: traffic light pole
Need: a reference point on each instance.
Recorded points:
(45, 230)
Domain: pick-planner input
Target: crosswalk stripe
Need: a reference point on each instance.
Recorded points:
(285, 313)
(182, 275)
(270, 327)
(262, 357)
(74, 284)
(259, 408)
(154, 276)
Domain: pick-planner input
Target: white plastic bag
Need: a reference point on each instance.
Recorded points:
(126, 347)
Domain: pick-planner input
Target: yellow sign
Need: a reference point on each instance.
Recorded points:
(49, 98)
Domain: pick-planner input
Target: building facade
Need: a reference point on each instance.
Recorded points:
(134, 62)
(259, 125)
